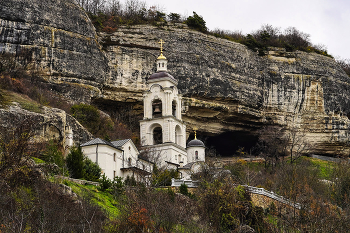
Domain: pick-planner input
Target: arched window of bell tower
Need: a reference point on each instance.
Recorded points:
(156, 108)
(157, 135)
(174, 108)
(178, 135)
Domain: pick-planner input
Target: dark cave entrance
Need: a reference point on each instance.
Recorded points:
(227, 143)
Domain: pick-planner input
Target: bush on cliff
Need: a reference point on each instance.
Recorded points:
(101, 125)
(197, 22)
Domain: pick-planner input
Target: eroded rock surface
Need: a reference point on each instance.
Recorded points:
(227, 88)
(49, 124)
(230, 88)
(58, 34)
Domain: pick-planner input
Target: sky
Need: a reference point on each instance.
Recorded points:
(326, 21)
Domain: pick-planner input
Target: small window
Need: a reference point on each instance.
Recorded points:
(129, 161)
(129, 148)
(113, 174)
(162, 64)
(114, 155)
(196, 153)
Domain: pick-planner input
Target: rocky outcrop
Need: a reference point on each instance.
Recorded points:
(58, 35)
(49, 124)
(229, 88)
(229, 91)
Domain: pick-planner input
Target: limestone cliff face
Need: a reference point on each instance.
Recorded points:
(49, 123)
(58, 35)
(229, 91)
(230, 88)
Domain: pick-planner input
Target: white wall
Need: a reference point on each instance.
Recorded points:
(191, 153)
(112, 160)
(104, 154)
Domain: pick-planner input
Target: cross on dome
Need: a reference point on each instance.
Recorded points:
(195, 132)
(161, 42)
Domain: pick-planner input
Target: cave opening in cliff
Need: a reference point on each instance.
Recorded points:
(227, 143)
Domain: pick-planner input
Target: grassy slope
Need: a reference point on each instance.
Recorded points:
(24, 101)
(325, 168)
(101, 198)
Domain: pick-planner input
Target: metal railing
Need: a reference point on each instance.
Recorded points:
(179, 182)
(272, 195)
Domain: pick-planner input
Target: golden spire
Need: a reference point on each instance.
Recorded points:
(161, 42)
(195, 132)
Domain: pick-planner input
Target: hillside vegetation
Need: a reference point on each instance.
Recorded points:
(219, 204)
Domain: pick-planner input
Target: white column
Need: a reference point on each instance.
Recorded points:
(179, 108)
(168, 103)
(183, 139)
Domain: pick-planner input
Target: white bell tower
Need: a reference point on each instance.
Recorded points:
(162, 129)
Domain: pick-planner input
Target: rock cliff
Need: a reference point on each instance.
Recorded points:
(229, 91)
(49, 123)
(58, 35)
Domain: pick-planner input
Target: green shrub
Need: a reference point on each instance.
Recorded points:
(227, 207)
(183, 189)
(75, 163)
(130, 181)
(163, 177)
(91, 170)
(87, 115)
(174, 17)
(53, 154)
(105, 183)
(81, 167)
(118, 186)
(197, 22)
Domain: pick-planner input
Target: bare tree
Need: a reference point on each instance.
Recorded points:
(15, 145)
(345, 65)
(114, 7)
(271, 144)
(296, 38)
(133, 7)
(297, 143)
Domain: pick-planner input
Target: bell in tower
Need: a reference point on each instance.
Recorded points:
(157, 108)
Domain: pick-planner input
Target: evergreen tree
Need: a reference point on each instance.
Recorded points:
(92, 170)
(75, 163)
(197, 22)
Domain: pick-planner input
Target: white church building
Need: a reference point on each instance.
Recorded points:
(117, 158)
(162, 132)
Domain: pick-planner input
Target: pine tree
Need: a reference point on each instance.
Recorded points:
(75, 163)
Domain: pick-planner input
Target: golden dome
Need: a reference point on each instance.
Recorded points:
(161, 56)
